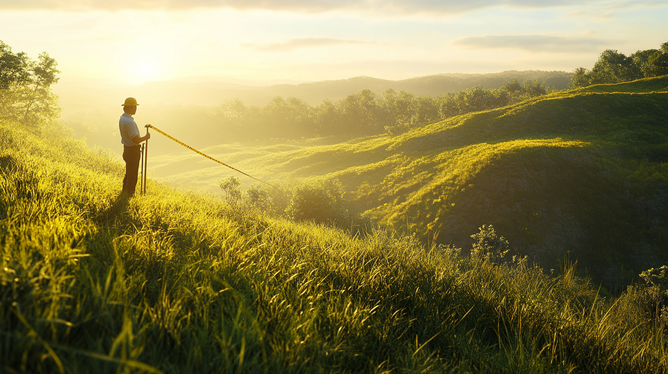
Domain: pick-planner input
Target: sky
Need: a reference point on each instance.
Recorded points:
(132, 42)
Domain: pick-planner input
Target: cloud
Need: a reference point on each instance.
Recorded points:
(301, 43)
(303, 6)
(606, 15)
(533, 43)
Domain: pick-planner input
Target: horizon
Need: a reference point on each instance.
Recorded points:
(308, 42)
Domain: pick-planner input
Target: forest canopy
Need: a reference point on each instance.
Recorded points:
(359, 114)
(615, 67)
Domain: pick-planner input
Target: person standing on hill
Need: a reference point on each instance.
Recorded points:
(131, 140)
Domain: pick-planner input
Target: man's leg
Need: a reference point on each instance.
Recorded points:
(131, 156)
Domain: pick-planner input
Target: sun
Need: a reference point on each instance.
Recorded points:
(146, 68)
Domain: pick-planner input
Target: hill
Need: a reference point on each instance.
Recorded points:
(315, 92)
(580, 172)
(173, 282)
(79, 97)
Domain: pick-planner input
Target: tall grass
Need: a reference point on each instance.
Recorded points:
(174, 282)
(579, 171)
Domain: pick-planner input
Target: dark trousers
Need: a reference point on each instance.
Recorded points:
(131, 155)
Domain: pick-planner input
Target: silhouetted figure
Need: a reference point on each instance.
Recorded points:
(130, 139)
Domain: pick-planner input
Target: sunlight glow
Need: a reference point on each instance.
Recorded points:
(146, 68)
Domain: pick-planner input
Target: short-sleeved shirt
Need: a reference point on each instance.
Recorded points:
(129, 130)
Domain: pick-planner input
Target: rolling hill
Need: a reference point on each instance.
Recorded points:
(580, 172)
(177, 282)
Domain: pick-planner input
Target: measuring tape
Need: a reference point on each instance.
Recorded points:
(205, 155)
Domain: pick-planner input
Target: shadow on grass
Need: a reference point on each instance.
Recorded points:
(116, 210)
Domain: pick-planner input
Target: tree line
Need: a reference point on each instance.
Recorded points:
(615, 67)
(25, 88)
(363, 113)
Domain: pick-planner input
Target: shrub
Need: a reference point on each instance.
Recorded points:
(487, 244)
(258, 197)
(320, 202)
(656, 284)
(232, 188)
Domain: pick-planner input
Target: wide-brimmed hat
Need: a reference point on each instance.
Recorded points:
(130, 101)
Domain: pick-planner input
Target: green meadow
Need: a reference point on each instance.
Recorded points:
(579, 173)
(182, 282)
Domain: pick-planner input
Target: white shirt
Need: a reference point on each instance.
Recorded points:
(129, 129)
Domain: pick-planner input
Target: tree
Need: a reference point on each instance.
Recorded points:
(327, 118)
(359, 113)
(657, 64)
(613, 67)
(231, 186)
(448, 106)
(513, 89)
(476, 99)
(13, 67)
(533, 89)
(580, 78)
(25, 88)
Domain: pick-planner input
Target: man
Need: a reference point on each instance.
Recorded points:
(131, 140)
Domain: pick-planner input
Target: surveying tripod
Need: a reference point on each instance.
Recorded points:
(144, 164)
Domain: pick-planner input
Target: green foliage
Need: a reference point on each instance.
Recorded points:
(615, 67)
(259, 198)
(656, 278)
(232, 189)
(255, 197)
(654, 296)
(319, 202)
(360, 114)
(25, 88)
(488, 245)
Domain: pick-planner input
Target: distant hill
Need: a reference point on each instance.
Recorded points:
(198, 93)
(581, 172)
(92, 109)
(82, 96)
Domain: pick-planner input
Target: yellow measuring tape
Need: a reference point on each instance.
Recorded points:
(205, 155)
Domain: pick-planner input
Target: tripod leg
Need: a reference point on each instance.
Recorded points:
(141, 173)
(145, 164)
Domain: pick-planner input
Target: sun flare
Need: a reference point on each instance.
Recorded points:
(146, 68)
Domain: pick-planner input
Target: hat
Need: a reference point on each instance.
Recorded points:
(130, 101)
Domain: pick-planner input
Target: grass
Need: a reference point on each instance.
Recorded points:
(176, 282)
(580, 171)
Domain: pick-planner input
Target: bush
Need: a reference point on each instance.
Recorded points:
(488, 245)
(232, 188)
(656, 284)
(320, 202)
(259, 198)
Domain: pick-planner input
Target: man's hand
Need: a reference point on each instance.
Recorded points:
(138, 139)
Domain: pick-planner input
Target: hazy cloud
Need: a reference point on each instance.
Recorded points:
(534, 43)
(606, 15)
(301, 43)
(308, 6)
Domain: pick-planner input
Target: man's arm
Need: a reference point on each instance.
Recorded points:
(139, 139)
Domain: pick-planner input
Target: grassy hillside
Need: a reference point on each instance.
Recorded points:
(178, 283)
(581, 172)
